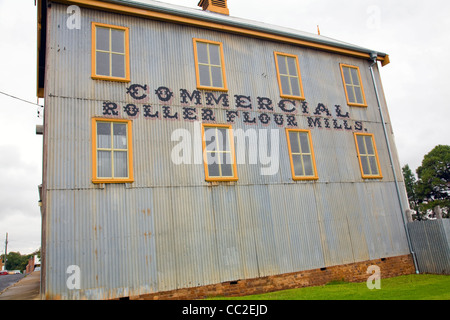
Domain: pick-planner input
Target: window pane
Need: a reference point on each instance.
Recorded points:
(292, 66)
(361, 147)
(359, 98)
(202, 52)
(365, 165)
(227, 170)
(373, 165)
(210, 139)
(282, 64)
(346, 72)
(102, 63)
(222, 136)
(295, 85)
(120, 135)
(293, 138)
(118, 65)
(117, 41)
(285, 88)
(120, 164)
(227, 164)
(102, 35)
(369, 145)
(216, 73)
(355, 76)
(104, 164)
(351, 94)
(214, 54)
(204, 75)
(226, 158)
(213, 164)
(103, 135)
(213, 158)
(304, 142)
(307, 162)
(298, 167)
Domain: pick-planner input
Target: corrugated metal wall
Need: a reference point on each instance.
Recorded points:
(431, 243)
(170, 229)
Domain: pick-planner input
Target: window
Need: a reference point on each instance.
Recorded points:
(110, 53)
(354, 90)
(368, 156)
(301, 153)
(288, 73)
(112, 151)
(209, 65)
(218, 153)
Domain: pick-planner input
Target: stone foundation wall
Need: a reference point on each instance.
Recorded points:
(353, 272)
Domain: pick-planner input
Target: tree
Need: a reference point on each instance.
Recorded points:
(433, 185)
(16, 261)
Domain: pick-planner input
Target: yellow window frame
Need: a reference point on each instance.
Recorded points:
(95, 178)
(353, 86)
(298, 76)
(315, 176)
(231, 151)
(94, 53)
(222, 66)
(364, 153)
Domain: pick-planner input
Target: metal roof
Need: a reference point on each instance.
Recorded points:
(240, 22)
(205, 19)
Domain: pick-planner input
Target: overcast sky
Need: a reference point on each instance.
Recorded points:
(416, 83)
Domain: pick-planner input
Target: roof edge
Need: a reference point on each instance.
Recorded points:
(200, 18)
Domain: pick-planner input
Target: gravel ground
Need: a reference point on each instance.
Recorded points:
(9, 280)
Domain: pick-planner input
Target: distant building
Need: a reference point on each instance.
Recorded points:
(189, 153)
(33, 261)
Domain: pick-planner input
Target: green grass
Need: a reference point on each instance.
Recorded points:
(410, 287)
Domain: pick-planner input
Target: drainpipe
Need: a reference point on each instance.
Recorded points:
(373, 56)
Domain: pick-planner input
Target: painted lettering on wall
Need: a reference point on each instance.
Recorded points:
(205, 106)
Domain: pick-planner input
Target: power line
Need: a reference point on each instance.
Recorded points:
(36, 104)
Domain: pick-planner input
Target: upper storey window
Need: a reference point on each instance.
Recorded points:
(110, 52)
(209, 65)
(354, 90)
(288, 73)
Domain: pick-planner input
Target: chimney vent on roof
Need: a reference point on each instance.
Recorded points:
(218, 6)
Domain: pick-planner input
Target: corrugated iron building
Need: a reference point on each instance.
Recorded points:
(119, 78)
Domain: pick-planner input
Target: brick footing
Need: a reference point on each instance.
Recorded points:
(353, 272)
